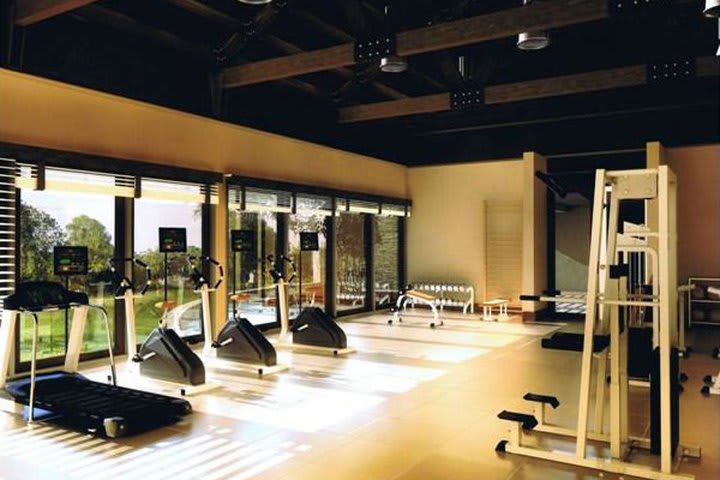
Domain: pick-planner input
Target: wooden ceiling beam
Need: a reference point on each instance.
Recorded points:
(28, 12)
(624, 77)
(345, 73)
(202, 10)
(323, 26)
(442, 36)
(125, 23)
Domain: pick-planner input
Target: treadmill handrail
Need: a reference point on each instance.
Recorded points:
(33, 360)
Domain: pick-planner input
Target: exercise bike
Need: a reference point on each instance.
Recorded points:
(239, 343)
(313, 330)
(164, 355)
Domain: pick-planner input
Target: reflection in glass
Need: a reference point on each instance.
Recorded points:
(350, 262)
(313, 262)
(254, 296)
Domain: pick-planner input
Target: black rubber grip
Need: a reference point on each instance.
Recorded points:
(536, 397)
(530, 298)
(528, 421)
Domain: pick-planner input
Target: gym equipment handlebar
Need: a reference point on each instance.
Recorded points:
(125, 282)
(197, 275)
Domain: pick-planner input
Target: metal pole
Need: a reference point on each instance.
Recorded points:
(165, 279)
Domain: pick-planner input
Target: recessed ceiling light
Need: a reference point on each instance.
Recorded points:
(255, 2)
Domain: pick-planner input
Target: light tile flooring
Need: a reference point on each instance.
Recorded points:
(411, 404)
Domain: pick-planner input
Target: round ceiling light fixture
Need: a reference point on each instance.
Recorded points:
(255, 2)
(533, 40)
(712, 8)
(393, 64)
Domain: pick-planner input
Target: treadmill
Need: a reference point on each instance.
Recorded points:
(64, 396)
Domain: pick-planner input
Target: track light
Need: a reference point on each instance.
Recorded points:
(534, 40)
(393, 64)
(712, 8)
(255, 2)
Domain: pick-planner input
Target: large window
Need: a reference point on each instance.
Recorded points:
(358, 248)
(185, 311)
(386, 254)
(309, 284)
(251, 289)
(350, 262)
(47, 219)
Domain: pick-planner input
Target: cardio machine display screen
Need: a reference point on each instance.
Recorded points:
(70, 260)
(309, 241)
(243, 241)
(173, 240)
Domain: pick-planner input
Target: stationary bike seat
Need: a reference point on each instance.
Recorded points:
(166, 305)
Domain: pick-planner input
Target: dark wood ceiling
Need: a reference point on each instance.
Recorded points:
(173, 52)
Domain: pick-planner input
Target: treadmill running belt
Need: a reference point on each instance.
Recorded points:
(88, 404)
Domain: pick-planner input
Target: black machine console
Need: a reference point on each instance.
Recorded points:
(173, 240)
(70, 260)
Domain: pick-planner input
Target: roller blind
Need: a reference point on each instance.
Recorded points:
(253, 199)
(36, 177)
(170, 190)
(394, 210)
(7, 227)
(313, 204)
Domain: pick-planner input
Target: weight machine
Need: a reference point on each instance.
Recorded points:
(606, 337)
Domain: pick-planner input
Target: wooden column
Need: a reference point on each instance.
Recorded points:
(219, 251)
(534, 261)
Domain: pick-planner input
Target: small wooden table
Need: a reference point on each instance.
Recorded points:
(488, 305)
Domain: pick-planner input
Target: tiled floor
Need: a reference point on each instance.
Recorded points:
(411, 404)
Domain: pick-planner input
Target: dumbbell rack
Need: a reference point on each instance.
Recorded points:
(705, 303)
(453, 295)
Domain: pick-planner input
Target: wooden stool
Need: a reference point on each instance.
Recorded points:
(488, 305)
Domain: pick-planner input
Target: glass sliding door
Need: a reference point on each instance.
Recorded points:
(386, 257)
(350, 262)
(52, 218)
(251, 289)
(185, 312)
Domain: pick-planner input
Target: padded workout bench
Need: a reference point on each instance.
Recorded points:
(416, 296)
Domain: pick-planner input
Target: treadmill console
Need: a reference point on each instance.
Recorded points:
(243, 241)
(173, 240)
(309, 242)
(70, 260)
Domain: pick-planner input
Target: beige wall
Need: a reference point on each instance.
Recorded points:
(698, 173)
(446, 233)
(40, 112)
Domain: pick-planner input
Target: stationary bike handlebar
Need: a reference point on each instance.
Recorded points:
(125, 282)
(197, 276)
(276, 272)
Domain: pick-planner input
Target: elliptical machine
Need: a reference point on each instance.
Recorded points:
(239, 342)
(313, 330)
(164, 355)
